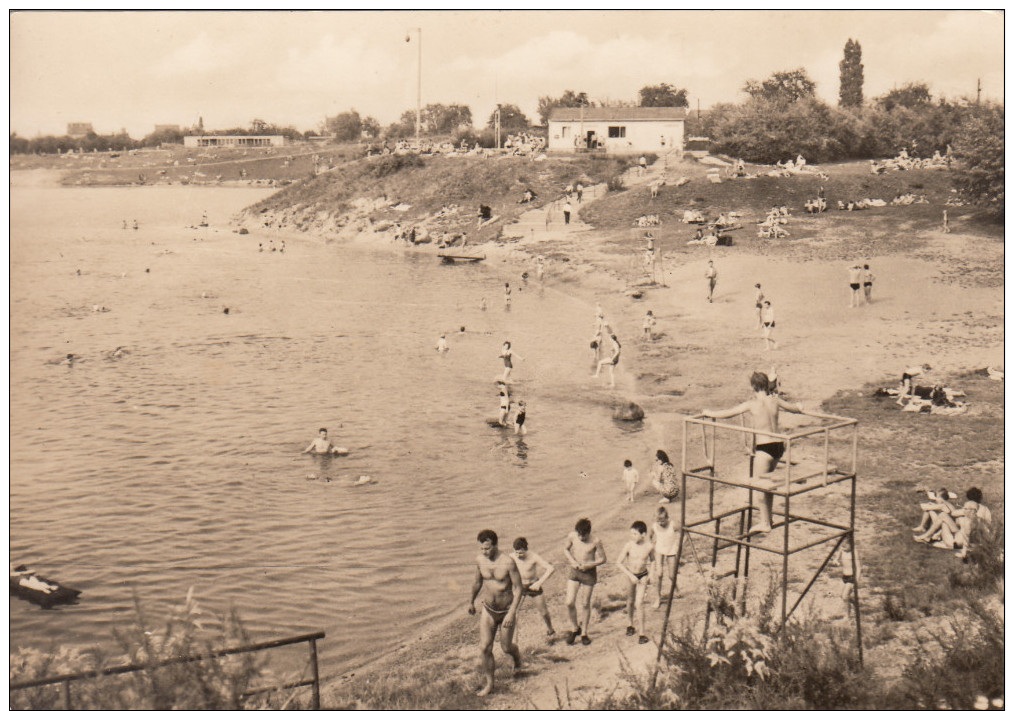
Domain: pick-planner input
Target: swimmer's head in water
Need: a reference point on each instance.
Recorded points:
(462, 329)
(757, 285)
(759, 382)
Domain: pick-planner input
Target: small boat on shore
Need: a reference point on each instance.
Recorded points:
(43, 592)
(452, 258)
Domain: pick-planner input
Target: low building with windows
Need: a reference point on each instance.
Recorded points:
(233, 141)
(619, 130)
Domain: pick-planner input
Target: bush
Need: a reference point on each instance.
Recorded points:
(208, 683)
(972, 663)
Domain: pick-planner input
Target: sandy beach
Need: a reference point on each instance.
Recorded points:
(937, 304)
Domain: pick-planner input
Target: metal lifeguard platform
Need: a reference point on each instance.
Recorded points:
(808, 466)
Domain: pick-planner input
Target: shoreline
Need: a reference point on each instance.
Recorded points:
(449, 640)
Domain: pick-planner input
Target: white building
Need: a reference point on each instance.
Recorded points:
(233, 141)
(640, 129)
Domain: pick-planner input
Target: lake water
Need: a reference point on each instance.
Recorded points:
(176, 464)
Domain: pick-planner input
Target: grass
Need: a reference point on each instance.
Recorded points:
(429, 183)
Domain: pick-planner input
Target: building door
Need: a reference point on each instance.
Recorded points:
(591, 141)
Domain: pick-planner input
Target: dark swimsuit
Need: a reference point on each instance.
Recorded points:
(641, 575)
(585, 577)
(497, 615)
(855, 287)
(520, 419)
(774, 449)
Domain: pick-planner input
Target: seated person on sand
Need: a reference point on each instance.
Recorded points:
(529, 196)
(957, 529)
(763, 412)
(939, 502)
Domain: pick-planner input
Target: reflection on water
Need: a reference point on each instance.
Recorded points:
(166, 454)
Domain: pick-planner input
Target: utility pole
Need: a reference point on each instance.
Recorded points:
(698, 109)
(978, 90)
(418, 82)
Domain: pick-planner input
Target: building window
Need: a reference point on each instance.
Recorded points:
(617, 131)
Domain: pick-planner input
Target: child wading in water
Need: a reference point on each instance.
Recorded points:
(508, 361)
(633, 561)
(611, 361)
(519, 418)
(630, 479)
(321, 445)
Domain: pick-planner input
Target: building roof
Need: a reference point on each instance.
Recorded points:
(619, 113)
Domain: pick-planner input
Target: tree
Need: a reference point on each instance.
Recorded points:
(910, 96)
(978, 152)
(663, 95)
(259, 126)
(345, 126)
(371, 127)
(785, 87)
(512, 119)
(440, 119)
(569, 100)
(850, 89)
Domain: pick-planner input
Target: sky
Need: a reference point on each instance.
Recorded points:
(132, 70)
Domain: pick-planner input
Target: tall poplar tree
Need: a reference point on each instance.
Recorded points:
(850, 92)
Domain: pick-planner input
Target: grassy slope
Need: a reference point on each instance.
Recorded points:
(430, 183)
(873, 232)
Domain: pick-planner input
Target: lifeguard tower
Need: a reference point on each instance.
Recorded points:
(816, 458)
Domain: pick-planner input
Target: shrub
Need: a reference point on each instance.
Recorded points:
(208, 683)
(615, 184)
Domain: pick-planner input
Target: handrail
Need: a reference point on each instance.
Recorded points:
(310, 637)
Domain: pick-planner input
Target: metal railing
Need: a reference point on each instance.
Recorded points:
(310, 638)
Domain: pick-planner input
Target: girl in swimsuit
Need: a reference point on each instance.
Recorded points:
(508, 361)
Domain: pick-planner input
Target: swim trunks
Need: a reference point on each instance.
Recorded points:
(528, 592)
(774, 449)
(520, 420)
(867, 283)
(497, 615)
(585, 577)
(848, 579)
(641, 575)
(507, 361)
(616, 359)
(855, 287)
(769, 324)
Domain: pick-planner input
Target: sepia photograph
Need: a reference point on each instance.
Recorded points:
(496, 359)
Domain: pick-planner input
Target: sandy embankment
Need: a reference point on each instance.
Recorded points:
(921, 313)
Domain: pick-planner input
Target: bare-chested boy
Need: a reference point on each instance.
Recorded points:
(496, 578)
(529, 563)
(665, 538)
(585, 554)
(763, 409)
(321, 445)
(633, 561)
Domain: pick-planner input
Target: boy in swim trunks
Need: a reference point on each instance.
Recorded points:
(867, 283)
(855, 281)
(665, 536)
(633, 561)
(585, 554)
(528, 563)
(763, 410)
(505, 401)
(768, 321)
(496, 577)
(321, 445)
